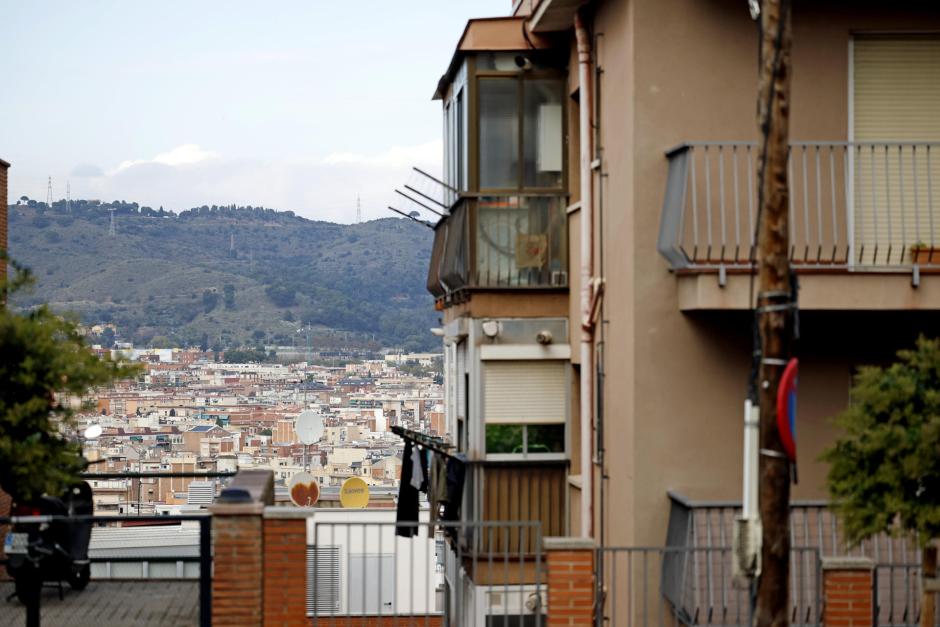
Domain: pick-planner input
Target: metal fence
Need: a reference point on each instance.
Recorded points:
(116, 598)
(815, 526)
(862, 205)
(693, 586)
(897, 593)
(436, 577)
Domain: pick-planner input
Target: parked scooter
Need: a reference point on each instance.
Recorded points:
(53, 551)
(42, 550)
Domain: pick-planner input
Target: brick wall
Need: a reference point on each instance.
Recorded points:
(570, 582)
(847, 592)
(285, 572)
(237, 564)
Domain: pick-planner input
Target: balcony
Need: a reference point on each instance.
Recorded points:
(863, 209)
(500, 242)
(512, 492)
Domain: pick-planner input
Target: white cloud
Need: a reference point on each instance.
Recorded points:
(190, 176)
(396, 156)
(187, 154)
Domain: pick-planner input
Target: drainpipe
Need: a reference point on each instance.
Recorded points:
(587, 260)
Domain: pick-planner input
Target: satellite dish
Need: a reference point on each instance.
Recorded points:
(304, 490)
(309, 426)
(354, 494)
(93, 432)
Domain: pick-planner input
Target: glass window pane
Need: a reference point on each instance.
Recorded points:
(543, 139)
(521, 242)
(546, 438)
(503, 438)
(499, 133)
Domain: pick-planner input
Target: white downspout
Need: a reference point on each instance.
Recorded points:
(587, 261)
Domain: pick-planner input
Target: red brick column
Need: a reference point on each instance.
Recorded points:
(285, 566)
(571, 584)
(848, 588)
(238, 547)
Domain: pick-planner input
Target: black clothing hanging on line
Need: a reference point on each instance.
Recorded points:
(407, 511)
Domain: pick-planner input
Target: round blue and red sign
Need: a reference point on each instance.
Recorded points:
(786, 407)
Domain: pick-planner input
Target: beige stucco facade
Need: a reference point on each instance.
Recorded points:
(675, 346)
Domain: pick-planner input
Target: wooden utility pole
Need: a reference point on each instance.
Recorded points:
(775, 310)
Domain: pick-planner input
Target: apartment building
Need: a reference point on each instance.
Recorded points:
(593, 270)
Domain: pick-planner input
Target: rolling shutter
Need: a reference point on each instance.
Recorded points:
(896, 98)
(532, 391)
(323, 588)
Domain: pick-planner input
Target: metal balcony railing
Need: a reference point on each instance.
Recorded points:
(501, 242)
(852, 205)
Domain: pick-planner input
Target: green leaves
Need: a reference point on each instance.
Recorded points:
(885, 469)
(44, 365)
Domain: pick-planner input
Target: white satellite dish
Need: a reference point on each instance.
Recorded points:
(93, 432)
(309, 427)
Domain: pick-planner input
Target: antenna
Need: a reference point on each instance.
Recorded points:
(111, 226)
(49, 194)
(358, 209)
(68, 197)
(231, 242)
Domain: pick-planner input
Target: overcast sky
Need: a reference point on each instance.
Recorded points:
(296, 104)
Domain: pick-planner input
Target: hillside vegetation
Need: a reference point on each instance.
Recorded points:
(228, 277)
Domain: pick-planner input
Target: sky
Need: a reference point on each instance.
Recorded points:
(292, 104)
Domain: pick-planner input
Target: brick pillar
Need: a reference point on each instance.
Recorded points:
(238, 548)
(285, 566)
(848, 587)
(571, 586)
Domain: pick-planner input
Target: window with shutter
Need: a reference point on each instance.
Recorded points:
(524, 392)
(895, 103)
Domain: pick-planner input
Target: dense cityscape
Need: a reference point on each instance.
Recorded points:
(188, 413)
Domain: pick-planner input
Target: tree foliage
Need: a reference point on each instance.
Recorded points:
(43, 362)
(885, 468)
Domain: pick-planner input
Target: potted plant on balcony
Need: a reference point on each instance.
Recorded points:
(923, 254)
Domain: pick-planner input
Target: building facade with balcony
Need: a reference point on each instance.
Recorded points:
(657, 277)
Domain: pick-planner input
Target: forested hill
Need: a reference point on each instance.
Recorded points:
(228, 276)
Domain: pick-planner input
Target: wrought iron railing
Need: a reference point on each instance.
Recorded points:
(94, 604)
(659, 586)
(365, 572)
(501, 242)
(859, 205)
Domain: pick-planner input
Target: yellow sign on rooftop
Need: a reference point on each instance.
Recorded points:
(354, 494)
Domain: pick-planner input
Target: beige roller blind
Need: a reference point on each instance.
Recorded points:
(532, 391)
(896, 98)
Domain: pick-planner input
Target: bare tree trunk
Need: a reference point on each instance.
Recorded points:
(774, 314)
(928, 609)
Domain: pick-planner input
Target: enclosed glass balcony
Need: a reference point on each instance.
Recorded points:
(501, 242)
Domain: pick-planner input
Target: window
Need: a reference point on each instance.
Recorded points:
(525, 407)
(525, 439)
(499, 133)
(521, 133)
(895, 103)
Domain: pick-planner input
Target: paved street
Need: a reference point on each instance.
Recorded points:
(104, 603)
